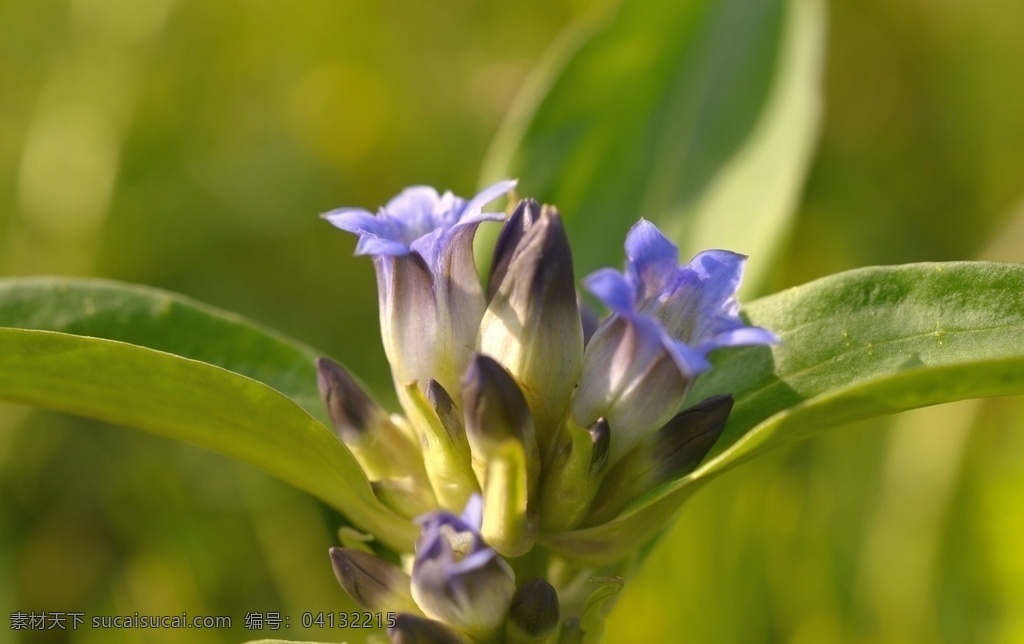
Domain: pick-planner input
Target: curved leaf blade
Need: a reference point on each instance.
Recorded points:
(699, 115)
(164, 321)
(855, 345)
(749, 204)
(850, 329)
(196, 402)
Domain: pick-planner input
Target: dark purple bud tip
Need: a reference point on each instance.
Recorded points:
(350, 409)
(600, 436)
(368, 579)
(548, 245)
(685, 440)
(411, 629)
(515, 228)
(444, 406)
(494, 405)
(534, 612)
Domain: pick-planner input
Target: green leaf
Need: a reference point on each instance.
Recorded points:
(597, 606)
(699, 115)
(168, 322)
(196, 402)
(865, 343)
(749, 205)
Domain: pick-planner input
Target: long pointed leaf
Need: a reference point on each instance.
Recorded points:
(700, 115)
(169, 322)
(196, 402)
(749, 204)
(864, 343)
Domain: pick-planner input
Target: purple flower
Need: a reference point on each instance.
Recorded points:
(695, 304)
(418, 221)
(430, 297)
(667, 319)
(456, 577)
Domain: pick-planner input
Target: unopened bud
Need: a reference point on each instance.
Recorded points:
(532, 321)
(495, 411)
(445, 448)
(373, 583)
(380, 447)
(508, 525)
(672, 452)
(533, 617)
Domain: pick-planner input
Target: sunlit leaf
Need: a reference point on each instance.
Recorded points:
(169, 322)
(865, 343)
(198, 403)
(699, 115)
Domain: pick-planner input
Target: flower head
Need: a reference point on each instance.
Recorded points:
(430, 297)
(522, 410)
(456, 577)
(694, 304)
(667, 319)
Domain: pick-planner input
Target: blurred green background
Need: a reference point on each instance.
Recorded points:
(190, 145)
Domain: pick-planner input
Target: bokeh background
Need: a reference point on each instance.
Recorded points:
(191, 145)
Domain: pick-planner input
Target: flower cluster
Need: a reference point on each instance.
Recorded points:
(521, 411)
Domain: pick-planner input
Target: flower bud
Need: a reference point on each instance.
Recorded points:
(495, 411)
(445, 448)
(670, 453)
(512, 233)
(380, 446)
(456, 578)
(532, 322)
(373, 583)
(508, 524)
(533, 617)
